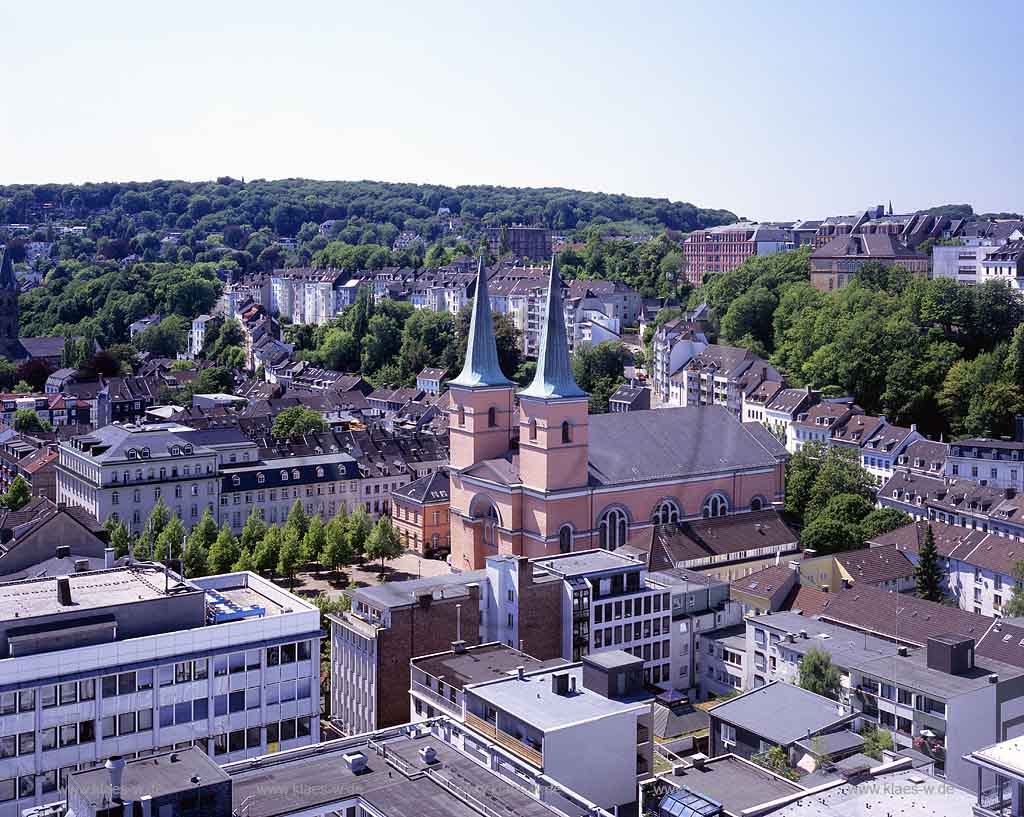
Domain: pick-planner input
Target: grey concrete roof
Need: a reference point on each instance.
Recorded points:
(780, 712)
(833, 743)
(912, 671)
(585, 562)
(735, 783)
(398, 594)
(532, 700)
(635, 446)
(485, 662)
(156, 776)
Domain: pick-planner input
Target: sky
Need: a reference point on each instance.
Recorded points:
(772, 110)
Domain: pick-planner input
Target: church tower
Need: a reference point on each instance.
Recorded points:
(8, 304)
(553, 410)
(480, 411)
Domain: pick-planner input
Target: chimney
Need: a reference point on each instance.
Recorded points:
(902, 651)
(560, 684)
(64, 591)
(115, 767)
(521, 672)
(63, 551)
(108, 558)
(458, 647)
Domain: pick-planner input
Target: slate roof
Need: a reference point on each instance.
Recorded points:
(869, 246)
(788, 400)
(856, 429)
(926, 454)
(810, 601)
(876, 565)
(636, 446)
(701, 538)
(1004, 642)
(431, 374)
(875, 610)
(765, 583)
(781, 713)
(433, 488)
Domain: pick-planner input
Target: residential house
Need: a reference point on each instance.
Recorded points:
(419, 513)
(724, 248)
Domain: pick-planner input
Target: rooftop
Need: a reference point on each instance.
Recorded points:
(735, 783)
(485, 662)
(912, 671)
(157, 776)
(1007, 755)
(781, 712)
(532, 700)
(584, 562)
(398, 594)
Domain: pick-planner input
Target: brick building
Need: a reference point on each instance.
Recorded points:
(722, 249)
(419, 512)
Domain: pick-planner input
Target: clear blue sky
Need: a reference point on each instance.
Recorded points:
(773, 110)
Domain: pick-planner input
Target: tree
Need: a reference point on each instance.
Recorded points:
(224, 553)
(298, 520)
(776, 760)
(840, 472)
(337, 550)
(163, 339)
(245, 563)
(290, 554)
(850, 509)
(171, 540)
(315, 540)
(297, 420)
(155, 524)
(927, 572)
(1014, 607)
(818, 674)
(876, 740)
(882, 520)
(120, 539)
(825, 535)
(18, 495)
(358, 530)
(254, 531)
(197, 547)
(268, 552)
(26, 421)
(383, 542)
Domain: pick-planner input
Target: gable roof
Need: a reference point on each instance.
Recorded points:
(433, 488)
(876, 565)
(781, 713)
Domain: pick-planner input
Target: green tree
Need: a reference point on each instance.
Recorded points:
(337, 550)
(383, 542)
(840, 472)
(26, 421)
(850, 509)
(197, 547)
(245, 563)
(882, 520)
(297, 420)
(151, 530)
(120, 540)
(358, 530)
(315, 540)
(818, 674)
(254, 531)
(224, 552)
(1014, 607)
(928, 573)
(876, 740)
(268, 552)
(776, 760)
(289, 557)
(163, 339)
(825, 535)
(18, 495)
(170, 542)
(298, 520)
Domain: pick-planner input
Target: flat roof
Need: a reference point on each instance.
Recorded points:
(485, 662)
(281, 786)
(397, 594)
(1007, 755)
(29, 598)
(157, 776)
(532, 700)
(846, 646)
(586, 561)
(735, 783)
(612, 659)
(781, 712)
(909, 792)
(913, 671)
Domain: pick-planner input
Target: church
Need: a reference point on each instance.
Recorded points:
(534, 474)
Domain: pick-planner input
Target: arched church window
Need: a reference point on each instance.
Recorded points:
(462, 415)
(566, 432)
(492, 417)
(666, 512)
(715, 505)
(565, 539)
(533, 429)
(757, 504)
(613, 529)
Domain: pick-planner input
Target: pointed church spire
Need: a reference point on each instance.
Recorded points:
(890, 207)
(554, 369)
(481, 367)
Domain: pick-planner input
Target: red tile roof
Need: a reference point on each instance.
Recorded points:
(876, 565)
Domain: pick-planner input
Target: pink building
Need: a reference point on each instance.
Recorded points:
(560, 480)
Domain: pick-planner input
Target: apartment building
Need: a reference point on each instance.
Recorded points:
(132, 661)
(121, 471)
(836, 263)
(818, 423)
(430, 381)
(306, 295)
(722, 249)
(520, 240)
(997, 463)
(197, 332)
(324, 484)
(419, 513)
(720, 375)
(1005, 264)
(674, 343)
(546, 716)
(630, 397)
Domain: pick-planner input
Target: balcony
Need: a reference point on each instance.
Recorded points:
(505, 740)
(444, 704)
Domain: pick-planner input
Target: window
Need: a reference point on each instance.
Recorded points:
(666, 512)
(564, 539)
(566, 432)
(613, 529)
(728, 734)
(533, 429)
(715, 505)
(756, 504)
(492, 417)
(462, 415)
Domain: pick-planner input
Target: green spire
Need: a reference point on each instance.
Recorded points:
(481, 368)
(7, 279)
(553, 378)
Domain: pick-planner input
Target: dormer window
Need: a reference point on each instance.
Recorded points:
(295, 473)
(145, 453)
(175, 451)
(284, 475)
(236, 480)
(187, 450)
(260, 478)
(132, 453)
(319, 472)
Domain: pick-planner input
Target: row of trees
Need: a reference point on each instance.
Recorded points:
(899, 344)
(274, 549)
